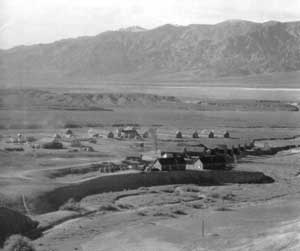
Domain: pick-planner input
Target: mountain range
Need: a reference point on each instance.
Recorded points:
(167, 53)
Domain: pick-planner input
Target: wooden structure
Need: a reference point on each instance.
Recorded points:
(168, 164)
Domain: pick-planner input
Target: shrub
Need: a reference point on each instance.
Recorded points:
(125, 206)
(197, 205)
(18, 243)
(223, 208)
(164, 214)
(215, 195)
(142, 213)
(71, 205)
(193, 189)
(109, 207)
(180, 212)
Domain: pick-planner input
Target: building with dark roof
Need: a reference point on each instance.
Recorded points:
(168, 164)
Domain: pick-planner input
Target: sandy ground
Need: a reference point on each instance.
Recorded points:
(247, 228)
(232, 217)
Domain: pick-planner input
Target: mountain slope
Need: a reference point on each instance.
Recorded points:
(231, 48)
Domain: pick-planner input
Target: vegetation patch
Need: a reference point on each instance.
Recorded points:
(18, 243)
(71, 205)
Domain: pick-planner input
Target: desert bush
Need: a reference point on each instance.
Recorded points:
(215, 195)
(71, 205)
(18, 243)
(143, 188)
(164, 214)
(72, 125)
(142, 213)
(229, 196)
(223, 208)
(52, 145)
(179, 191)
(180, 212)
(125, 206)
(192, 188)
(167, 189)
(197, 205)
(109, 207)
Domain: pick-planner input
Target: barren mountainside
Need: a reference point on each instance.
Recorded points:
(231, 48)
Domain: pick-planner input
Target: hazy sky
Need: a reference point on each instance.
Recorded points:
(42, 21)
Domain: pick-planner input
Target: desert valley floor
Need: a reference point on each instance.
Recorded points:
(78, 196)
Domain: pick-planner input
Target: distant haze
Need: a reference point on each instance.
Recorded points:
(43, 21)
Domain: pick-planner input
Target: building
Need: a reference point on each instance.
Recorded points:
(167, 164)
(213, 162)
(151, 155)
(194, 164)
(128, 133)
(75, 143)
(194, 151)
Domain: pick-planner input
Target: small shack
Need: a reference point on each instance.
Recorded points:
(194, 151)
(167, 164)
(178, 135)
(129, 133)
(75, 143)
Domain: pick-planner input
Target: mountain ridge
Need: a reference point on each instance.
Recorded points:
(197, 51)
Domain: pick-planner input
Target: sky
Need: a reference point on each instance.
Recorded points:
(43, 21)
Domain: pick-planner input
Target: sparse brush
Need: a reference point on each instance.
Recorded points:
(142, 213)
(71, 205)
(223, 208)
(18, 243)
(164, 214)
(229, 196)
(143, 188)
(197, 206)
(109, 207)
(179, 212)
(215, 195)
(193, 189)
(167, 190)
(125, 206)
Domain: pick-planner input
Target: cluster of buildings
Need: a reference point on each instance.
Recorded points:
(191, 158)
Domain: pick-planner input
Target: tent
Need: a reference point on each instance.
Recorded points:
(195, 135)
(178, 135)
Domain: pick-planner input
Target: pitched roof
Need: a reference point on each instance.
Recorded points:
(212, 159)
(171, 161)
